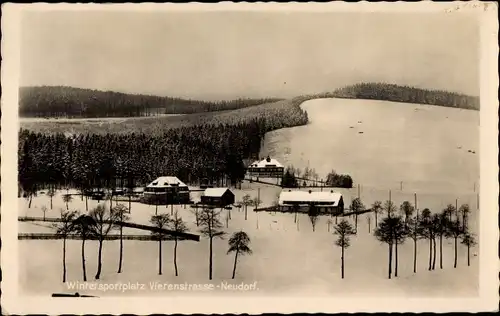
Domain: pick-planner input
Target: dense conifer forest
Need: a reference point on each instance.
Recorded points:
(213, 150)
(406, 94)
(60, 101)
(192, 147)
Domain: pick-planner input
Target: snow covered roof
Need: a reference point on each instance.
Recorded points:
(215, 192)
(307, 197)
(268, 162)
(163, 182)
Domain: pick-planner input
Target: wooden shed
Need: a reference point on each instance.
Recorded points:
(218, 197)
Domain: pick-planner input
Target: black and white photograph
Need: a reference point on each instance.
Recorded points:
(217, 158)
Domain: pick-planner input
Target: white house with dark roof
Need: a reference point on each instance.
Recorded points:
(327, 201)
(266, 168)
(167, 190)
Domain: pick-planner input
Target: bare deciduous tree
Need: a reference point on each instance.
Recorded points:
(239, 244)
(389, 208)
(178, 226)
(196, 213)
(105, 220)
(343, 230)
(44, 210)
(427, 230)
(51, 192)
(415, 233)
(454, 231)
(256, 202)
(377, 209)
(246, 202)
(449, 210)
(121, 211)
(357, 206)
(159, 221)
(400, 233)
(385, 232)
(63, 229)
(464, 210)
(469, 240)
(85, 226)
(67, 198)
(407, 210)
(211, 228)
(313, 216)
(440, 225)
(329, 223)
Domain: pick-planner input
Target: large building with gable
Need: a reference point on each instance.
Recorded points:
(167, 190)
(266, 168)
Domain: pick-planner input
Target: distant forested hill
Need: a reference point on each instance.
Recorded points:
(396, 93)
(60, 101)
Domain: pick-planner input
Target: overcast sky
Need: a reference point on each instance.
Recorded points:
(248, 54)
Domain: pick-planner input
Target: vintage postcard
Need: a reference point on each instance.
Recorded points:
(249, 158)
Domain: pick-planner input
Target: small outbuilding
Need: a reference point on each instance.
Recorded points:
(219, 197)
(329, 202)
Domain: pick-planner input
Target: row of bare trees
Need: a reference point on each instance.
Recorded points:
(396, 227)
(100, 221)
(296, 177)
(247, 201)
(176, 224)
(97, 224)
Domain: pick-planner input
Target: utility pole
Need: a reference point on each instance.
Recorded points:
(359, 191)
(389, 206)
(416, 208)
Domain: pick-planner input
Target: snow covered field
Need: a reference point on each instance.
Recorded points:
(400, 142)
(288, 259)
(380, 143)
